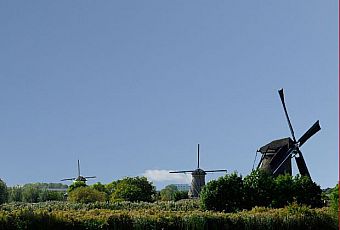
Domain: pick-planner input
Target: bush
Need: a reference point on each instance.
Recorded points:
(76, 184)
(3, 192)
(334, 198)
(132, 189)
(259, 189)
(284, 192)
(230, 193)
(223, 194)
(307, 192)
(86, 195)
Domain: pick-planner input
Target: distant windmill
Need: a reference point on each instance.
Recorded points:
(198, 176)
(79, 177)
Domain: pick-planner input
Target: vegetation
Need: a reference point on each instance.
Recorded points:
(86, 195)
(3, 192)
(130, 203)
(36, 192)
(76, 184)
(132, 189)
(24, 216)
(223, 194)
(334, 198)
(230, 193)
(171, 193)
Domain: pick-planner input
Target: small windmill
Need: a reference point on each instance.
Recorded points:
(276, 156)
(79, 177)
(198, 176)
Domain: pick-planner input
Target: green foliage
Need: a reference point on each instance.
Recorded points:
(132, 189)
(37, 217)
(334, 198)
(180, 195)
(307, 192)
(15, 194)
(171, 193)
(284, 191)
(223, 194)
(48, 195)
(30, 193)
(168, 193)
(86, 195)
(3, 192)
(76, 184)
(99, 187)
(258, 189)
(35, 192)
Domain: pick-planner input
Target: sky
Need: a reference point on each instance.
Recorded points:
(131, 87)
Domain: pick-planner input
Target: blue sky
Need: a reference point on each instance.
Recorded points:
(131, 87)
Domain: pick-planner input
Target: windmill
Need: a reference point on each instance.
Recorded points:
(276, 156)
(198, 177)
(79, 177)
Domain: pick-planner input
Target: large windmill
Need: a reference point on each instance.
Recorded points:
(276, 156)
(79, 177)
(198, 176)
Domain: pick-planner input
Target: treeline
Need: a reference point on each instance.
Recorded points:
(32, 193)
(232, 193)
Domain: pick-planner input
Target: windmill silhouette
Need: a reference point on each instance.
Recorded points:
(79, 177)
(198, 176)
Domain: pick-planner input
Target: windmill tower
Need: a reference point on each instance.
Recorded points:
(276, 156)
(79, 177)
(198, 177)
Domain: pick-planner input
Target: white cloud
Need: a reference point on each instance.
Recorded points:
(164, 175)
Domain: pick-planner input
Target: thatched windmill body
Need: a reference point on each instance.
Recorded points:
(198, 176)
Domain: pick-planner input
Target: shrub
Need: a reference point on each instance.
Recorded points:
(223, 194)
(259, 189)
(284, 191)
(133, 189)
(86, 195)
(76, 184)
(307, 192)
(334, 198)
(3, 192)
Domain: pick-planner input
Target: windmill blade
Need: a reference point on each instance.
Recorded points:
(186, 171)
(301, 164)
(68, 179)
(217, 170)
(90, 177)
(280, 158)
(285, 109)
(310, 132)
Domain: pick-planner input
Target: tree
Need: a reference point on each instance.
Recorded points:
(284, 191)
(334, 198)
(3, 192)
(76, 184)
(47, 195)
(132, 189)
(30, 193)
(171, 193)
(86, 195)
(168, 193)
(259, 189)
(307, 192)
(223, 194)
(15, 194)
